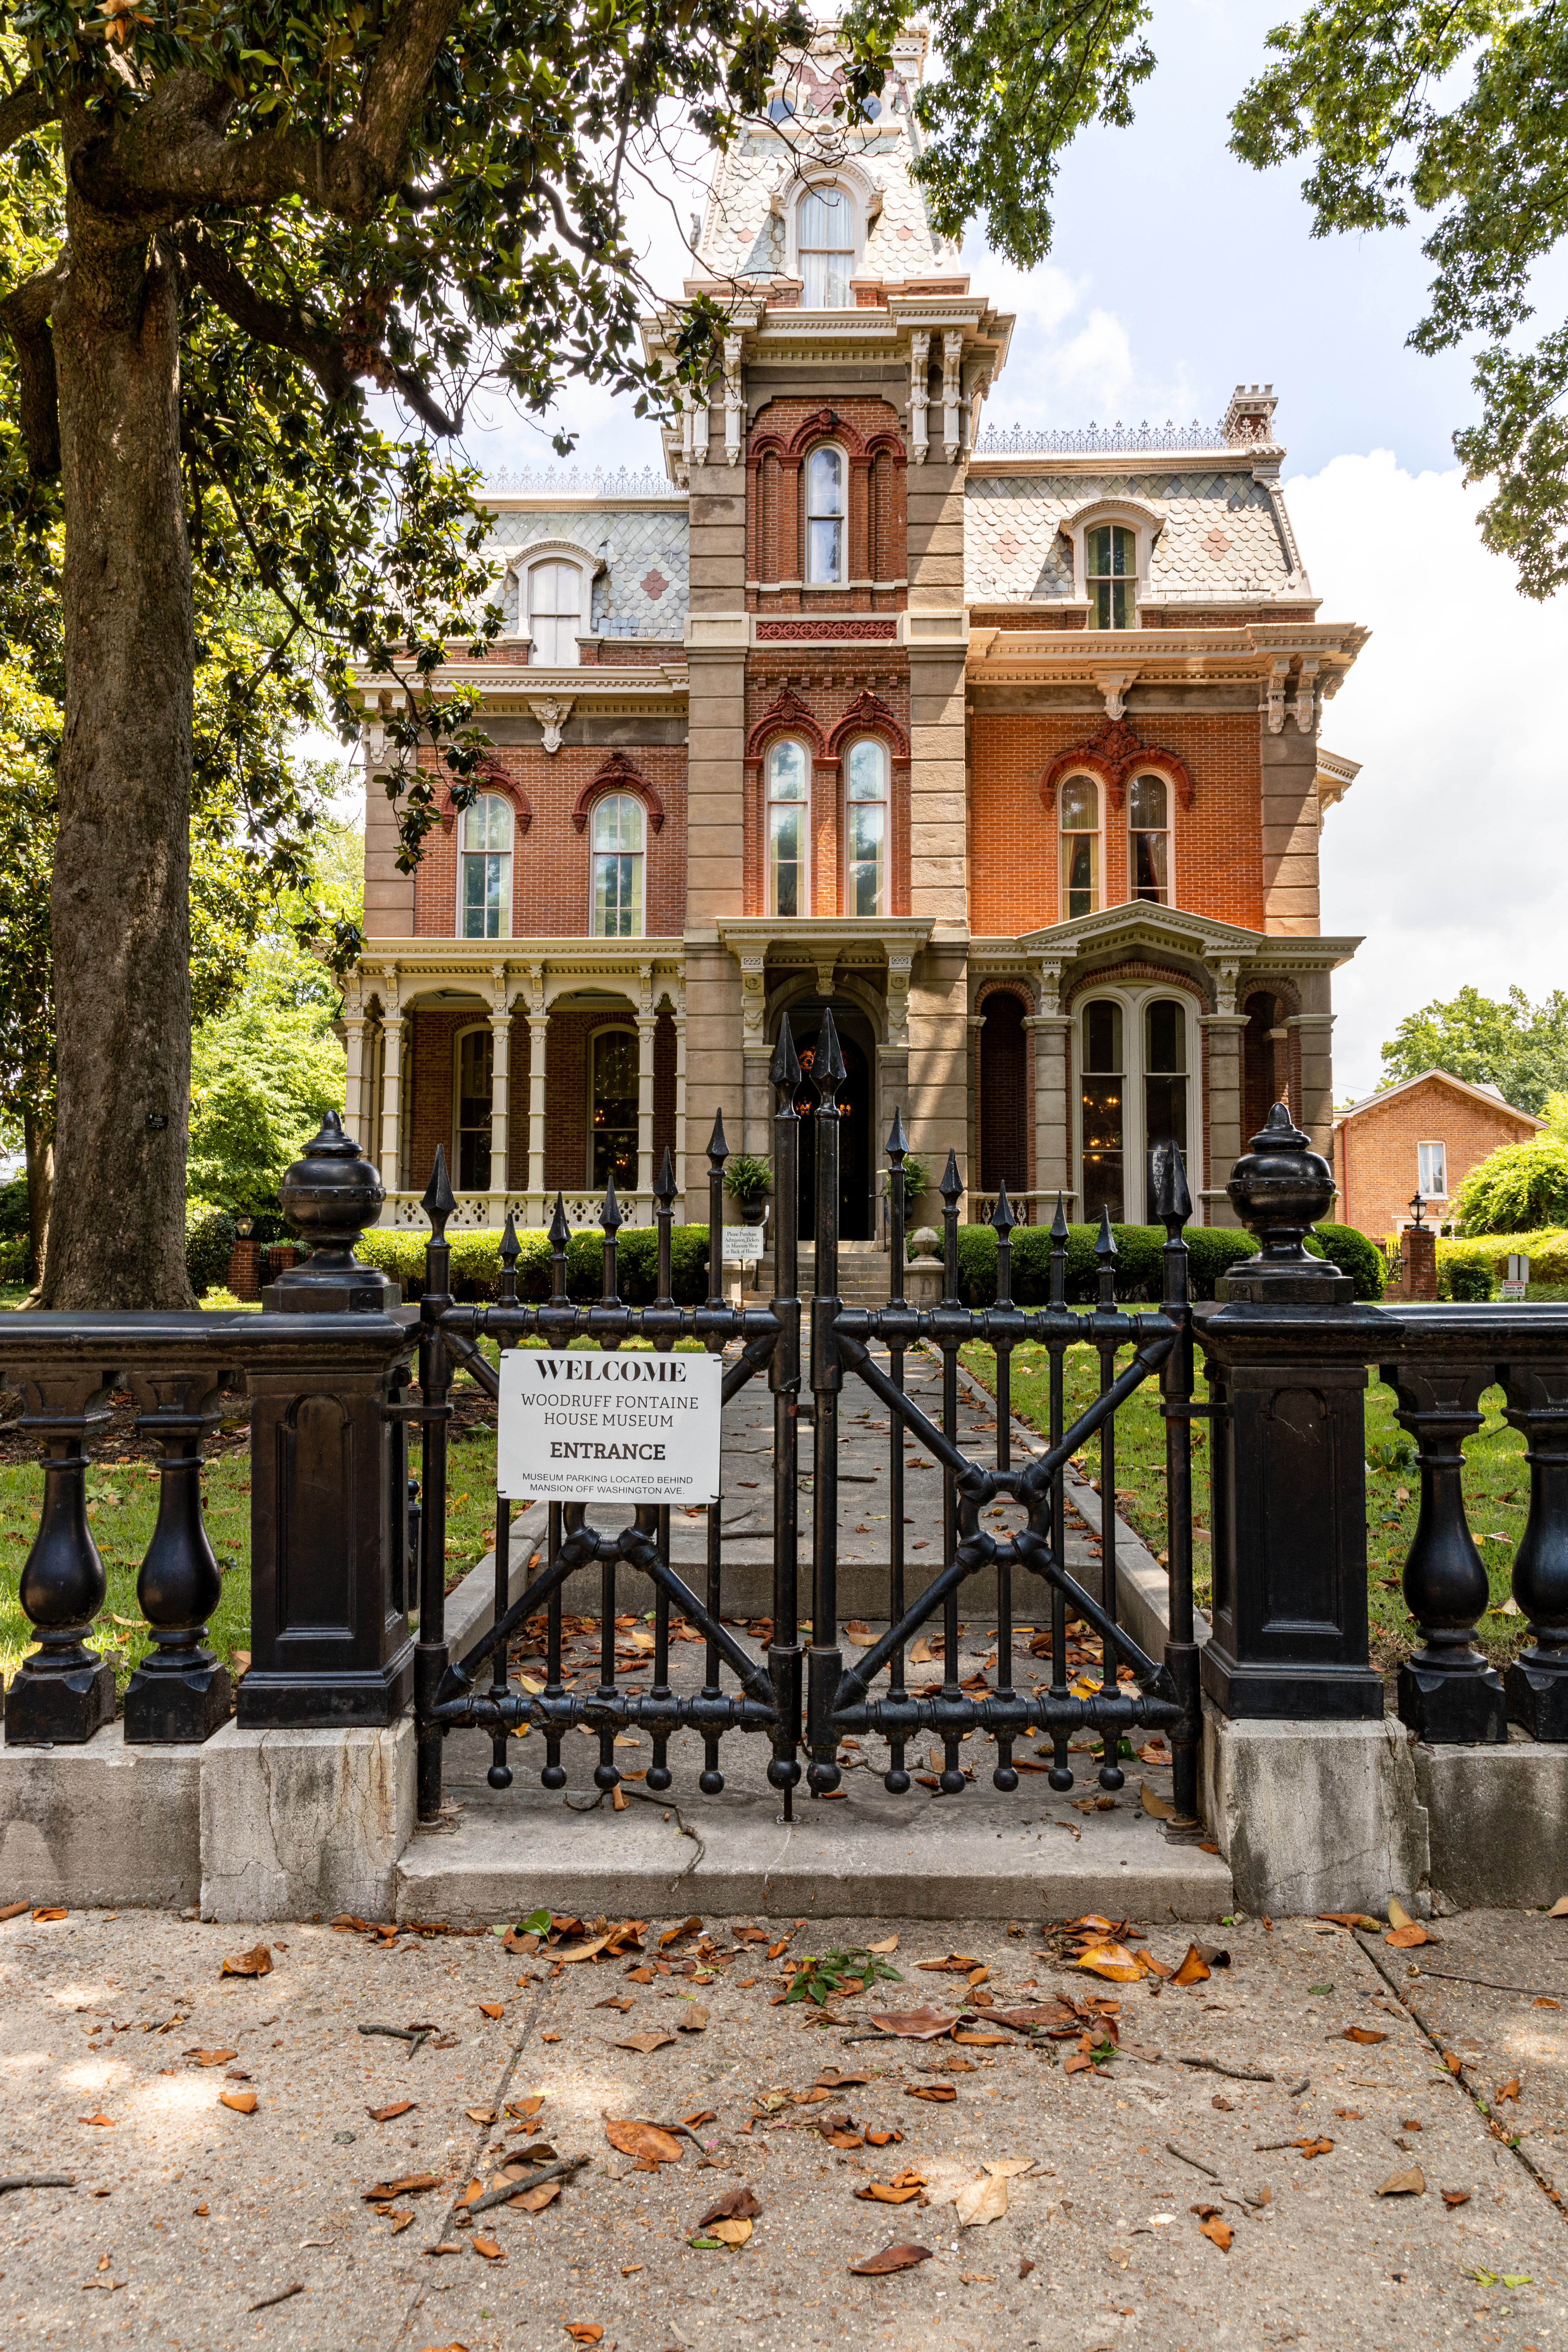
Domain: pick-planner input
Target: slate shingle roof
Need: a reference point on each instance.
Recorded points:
(1219, 536)
(642, 593)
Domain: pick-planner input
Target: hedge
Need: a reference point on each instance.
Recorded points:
(1518, 1187)
(399, 1250)
(1139, 1261)
(1547, 1253)
(210, 1236)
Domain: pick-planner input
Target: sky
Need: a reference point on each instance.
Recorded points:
(1176, 272)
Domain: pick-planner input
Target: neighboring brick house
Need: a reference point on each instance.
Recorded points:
(1424, 1135)
(1005, 746)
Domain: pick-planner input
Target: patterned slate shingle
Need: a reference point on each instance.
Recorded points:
(1218, 535)
(642, 593)
(743, 237)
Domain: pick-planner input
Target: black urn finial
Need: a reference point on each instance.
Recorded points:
(1278, 1188)
(330, 1193)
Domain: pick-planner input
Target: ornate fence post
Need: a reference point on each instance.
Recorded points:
(1537, 1682)
(825, 1664)
(1290, 1345)
(783, 1379)
(1448, 1689)
(62, 1692)
(179, 1692)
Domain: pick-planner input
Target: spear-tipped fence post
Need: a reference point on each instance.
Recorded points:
(783, 1379)
(896, 1779)
(1173, 1206)
(435, 1385)
(826, 1379)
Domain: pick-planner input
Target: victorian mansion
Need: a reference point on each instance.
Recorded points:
(1005, 747)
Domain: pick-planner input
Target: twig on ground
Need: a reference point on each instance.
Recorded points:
(282, 2295)
(510, 2188)
(1187, 2157)
(36, 2180)
(648, 1796)
(1236, 2074)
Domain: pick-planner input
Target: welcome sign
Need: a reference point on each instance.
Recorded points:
(574, 1427)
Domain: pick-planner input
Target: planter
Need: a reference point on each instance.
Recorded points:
(754, 1211)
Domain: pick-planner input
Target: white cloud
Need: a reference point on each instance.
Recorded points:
(1449, 851)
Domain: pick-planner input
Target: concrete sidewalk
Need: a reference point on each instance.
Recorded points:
(188, 2217)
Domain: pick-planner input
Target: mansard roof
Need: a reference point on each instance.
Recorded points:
(1223, 528)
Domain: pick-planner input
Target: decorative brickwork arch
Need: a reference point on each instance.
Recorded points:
(869, 715)
(875, 506)
(492, 778)
(620, 773)
(787, 714)
(1112, 754)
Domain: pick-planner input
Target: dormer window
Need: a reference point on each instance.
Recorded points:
(826, 248)
(1111, 571)
(555, 615)
(825, 517)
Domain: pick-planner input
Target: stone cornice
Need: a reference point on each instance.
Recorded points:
(1001, 656)
(519, 684)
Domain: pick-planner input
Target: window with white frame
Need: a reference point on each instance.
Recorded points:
(1149, 847)
(618, 868)
(1102, 1108)
(475, 1065)
(613, 1109)
(826, 225)
(1110, 575)
(554, 614)
(825, 517)
(1164, 1087)
(866, 826)
(1432, 1171)
(484, 870)
(1079, 820)
(1135, 1054)
(789, 815)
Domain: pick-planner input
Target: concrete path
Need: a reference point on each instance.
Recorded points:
(187, 2218)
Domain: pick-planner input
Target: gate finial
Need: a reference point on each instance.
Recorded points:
(828, 1069)
(718, 1150)
(1002, 1216)
(664, 1190)
(610, 1216)
(952, 1185)
(438, 1201)
(898, 1142)
(1173, 1201)
(560, 1231)
(1106, 1252)
(784, 1070)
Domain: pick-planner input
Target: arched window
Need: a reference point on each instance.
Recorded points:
(555, 615)
(1149, 850)
(484, 880)
(618, 868)
(1164, 1084)
(475, 1067)
(1111, 568)
(824, 516)
(1103, 1109)
(826, 248)
(1081, 846)
(613, 1109)
(789, 826)
(866, 825)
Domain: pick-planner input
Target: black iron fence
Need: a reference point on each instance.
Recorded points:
(337, 1559)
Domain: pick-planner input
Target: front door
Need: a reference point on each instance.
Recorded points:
(855, 1210)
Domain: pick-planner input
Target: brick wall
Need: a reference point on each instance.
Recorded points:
(875, 529)
(828, 688)
(1216, 845)
(1375, 1163)
(552, 886)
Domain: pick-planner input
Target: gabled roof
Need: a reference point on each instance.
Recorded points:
(1488, 1095)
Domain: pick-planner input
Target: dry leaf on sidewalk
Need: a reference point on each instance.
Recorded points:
(1161, 1807)
(645, 2042)
(736, 2205)
(1412, 2183)
(242, 2102)
(896, 2191)
(1560, 1908)
(939, 2092)
(492, 2009)
(211, 2057)
(1452, 2197)
(257, 1962)
(583, 2331)
(1115, 1962)
(1508, 2090)
(645, 2140)
(1362, 2033)
(409, 2185)
(891, 2258)
(914, 2024)
(386, 2115)
(888, 1944)
(695, 2020)
(985, 2199)
(107, 2120)
(487, 2249)
(1193, 1970)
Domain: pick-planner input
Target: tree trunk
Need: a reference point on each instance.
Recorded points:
(40, 1155)
(119, 899)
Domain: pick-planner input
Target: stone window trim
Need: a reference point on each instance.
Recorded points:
(1133, 992)
(489, 780)
(1114, 754)
(521, 560)
(787, 714)
(455, 1140)
(618, 774)
(798, 181)
(1144, 521)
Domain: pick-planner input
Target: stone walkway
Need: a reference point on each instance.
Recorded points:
(197, 2227)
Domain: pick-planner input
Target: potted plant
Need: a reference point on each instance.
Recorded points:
(917, 1179)
(749, 1181)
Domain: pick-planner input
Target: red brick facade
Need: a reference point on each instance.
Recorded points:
(825, 705)
(876, 534)
(1376, 1165)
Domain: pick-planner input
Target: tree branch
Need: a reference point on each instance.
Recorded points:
(24, 316)
(23, 109)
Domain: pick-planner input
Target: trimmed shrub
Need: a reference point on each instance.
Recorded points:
(1520, 1187)
(1470, 1282)
(1348, 1248)
(1547, 1253)
(210, 1237)
(14, 1217)
(1139, 1262)
(13, 1258)
(399, 1250)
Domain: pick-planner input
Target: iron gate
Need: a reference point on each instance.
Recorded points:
(809, 1698)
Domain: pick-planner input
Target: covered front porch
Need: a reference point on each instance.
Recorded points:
(539, 1066)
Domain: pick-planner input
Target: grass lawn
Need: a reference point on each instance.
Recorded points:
(1496, 1487)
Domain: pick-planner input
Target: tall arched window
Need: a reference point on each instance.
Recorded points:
(613, 1109)
(866, 826)
(475, 1068)
(826, 248)
(1149, 850)
(484, 880)
(1103, 1109)
(825, 517)
(1164, 1084)
(618, 868)
(555, 615)
(1110, 566)
(789, 811)
(1079, 847)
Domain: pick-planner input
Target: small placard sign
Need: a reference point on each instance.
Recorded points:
(575, 1427)
(743, 1245)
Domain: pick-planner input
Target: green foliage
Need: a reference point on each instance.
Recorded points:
(1139, 1262)
(1547, 1253)
(399, 1250)
(1348, 1249)
(1519, 1048)
(262, 1078)
(1520, 1187)
(1469, 1281)
(918, 1179)
(210, 1237)
(13, 1258)
(747, 1178)
(821, 1977)
(1414, 107)
(13, 1207)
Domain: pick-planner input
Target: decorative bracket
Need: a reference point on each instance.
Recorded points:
(734, 403)
(1277, 679)
(552, 717)
(1114, 684)
(1304, 711)
(951, 395)
(919, 396)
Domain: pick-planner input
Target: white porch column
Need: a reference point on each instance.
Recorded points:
(353, 1081)
(501, 1111)
(391, 1101)
(647, 1024)
(538, 1025)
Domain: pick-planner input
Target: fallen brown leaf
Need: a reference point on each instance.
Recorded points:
(735, 2205)
(400, 2221)
(480, 2114)
(1311, 2148)
(888, 1944)
(51, 1911)
(534, 2200)
(1508, 2090)
(1193, 1970)
(529, 2106)
(914, 2024)
(645, 2140)
(692, 1926)
(1558, 1911)
(14, 1910)
(1362, 2033)
(211, 2057)
(242, 2102)
(488, 2250)
(896, 2191)
(1218, 2233)
(882, 2139)
(409, 2185)
(495, 2008)
(1405, 1939)
(940, 2092)
(1452, 2197)
(386, 2115)
(694, 2020)
(107, 2120)
(1411, 2183)
(891, 2258)
(646, 2042)
(582, 2331)
(621, 2000)
(257, 1962)
(1161, 1807)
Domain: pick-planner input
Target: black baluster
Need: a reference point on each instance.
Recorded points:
(435, 1385)
(1005, 1774)
(1111, 1774)
(611, 1220)
(658, 1773)
(783, 1379)
(896, 1779)
(1537, 1682)
(500, 1773)
(951, 1190)
(554, 1775)
(1060, 1774)
(606, 1775)
(62, 1692)
(1448, 1690)
(1174, 1207)
(710, 1780)
(179, 1692)
(825, 1663)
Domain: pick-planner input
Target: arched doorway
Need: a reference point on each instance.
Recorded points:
(1003, 1094)
(856, 1206)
